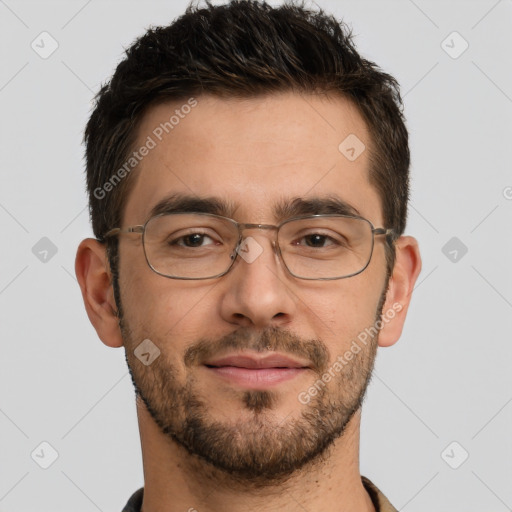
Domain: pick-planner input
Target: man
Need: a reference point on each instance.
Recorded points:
(248, 181)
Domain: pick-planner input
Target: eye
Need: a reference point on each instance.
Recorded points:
(192, 240)
(320, 240)
(316, 240)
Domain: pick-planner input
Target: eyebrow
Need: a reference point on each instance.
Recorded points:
(180, 203)
(298, 206)
(283, 209)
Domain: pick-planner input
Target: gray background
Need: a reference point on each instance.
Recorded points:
(448, 379)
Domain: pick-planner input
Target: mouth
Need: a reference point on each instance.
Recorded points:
(256, 372)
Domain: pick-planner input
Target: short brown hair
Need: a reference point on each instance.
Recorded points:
(245, 48)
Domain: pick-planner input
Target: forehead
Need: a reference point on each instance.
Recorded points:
(255, 155)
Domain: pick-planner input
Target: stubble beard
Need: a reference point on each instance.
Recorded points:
(263, 451)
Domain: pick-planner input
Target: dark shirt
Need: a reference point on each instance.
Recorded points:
(380, 502)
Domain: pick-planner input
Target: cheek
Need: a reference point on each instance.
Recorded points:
(166, 309)
(341, 311)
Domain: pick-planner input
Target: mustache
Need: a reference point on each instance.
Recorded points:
(271, 339)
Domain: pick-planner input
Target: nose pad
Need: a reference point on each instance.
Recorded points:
(235, 251)
(249, 249)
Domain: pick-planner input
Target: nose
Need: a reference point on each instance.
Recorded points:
(257, 290)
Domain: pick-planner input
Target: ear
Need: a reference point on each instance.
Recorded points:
(94, 277)
(401, 284)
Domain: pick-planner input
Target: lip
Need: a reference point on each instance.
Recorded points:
(253, 372)
(254, 362)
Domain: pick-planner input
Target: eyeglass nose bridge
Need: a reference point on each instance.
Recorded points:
(241, 237)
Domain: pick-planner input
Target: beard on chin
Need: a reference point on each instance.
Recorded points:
(261, 451)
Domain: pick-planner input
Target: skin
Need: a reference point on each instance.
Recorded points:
(252, 152)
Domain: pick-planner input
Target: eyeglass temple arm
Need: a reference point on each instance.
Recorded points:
(131, 229)
(390, 233)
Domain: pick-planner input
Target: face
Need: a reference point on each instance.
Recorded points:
(260, 424)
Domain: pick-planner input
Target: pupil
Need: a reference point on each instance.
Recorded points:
(194, 240)
(315, 240)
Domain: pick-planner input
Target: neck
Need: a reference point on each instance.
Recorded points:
(176, 481)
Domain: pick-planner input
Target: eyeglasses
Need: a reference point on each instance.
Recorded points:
(205, 246)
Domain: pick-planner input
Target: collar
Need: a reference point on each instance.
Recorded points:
(380, 502)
